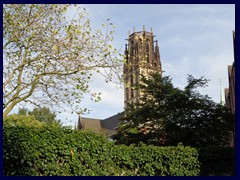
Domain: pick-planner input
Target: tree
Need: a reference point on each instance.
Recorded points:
(49, 58)
(166, 115)
(22, 120)
(42, 114)
(23, 111)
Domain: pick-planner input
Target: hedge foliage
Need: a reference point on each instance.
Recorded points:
(64, 152)
(217, 161)
(158, 161)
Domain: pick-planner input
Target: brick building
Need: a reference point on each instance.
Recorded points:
(230, 91)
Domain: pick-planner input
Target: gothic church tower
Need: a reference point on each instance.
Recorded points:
(141, 57)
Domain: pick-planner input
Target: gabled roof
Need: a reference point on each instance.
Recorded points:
(112, 122)
(91, 123)
(106, 126)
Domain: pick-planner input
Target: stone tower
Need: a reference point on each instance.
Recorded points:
(141, 57)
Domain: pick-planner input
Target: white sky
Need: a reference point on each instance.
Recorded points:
(193, 39)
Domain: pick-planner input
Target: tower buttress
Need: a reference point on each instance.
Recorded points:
(157, 61)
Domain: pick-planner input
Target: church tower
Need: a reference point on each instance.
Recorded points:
(141, 57)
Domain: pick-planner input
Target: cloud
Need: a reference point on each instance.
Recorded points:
(194, 39)
(111, 98)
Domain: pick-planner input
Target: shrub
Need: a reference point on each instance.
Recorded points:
(158, 161)
(217, 161)
(64, 152)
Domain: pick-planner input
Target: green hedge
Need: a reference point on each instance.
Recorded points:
(158, 161)
(217, 161)
(64, 152)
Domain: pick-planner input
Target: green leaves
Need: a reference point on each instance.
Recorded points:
(46, 51)
(166, 115)
(41, 114)
(217, 161)
(22, 120)
(64, 152)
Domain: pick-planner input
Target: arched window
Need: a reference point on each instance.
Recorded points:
(140, 43)
(132, 47)
(147, 51)
(131, 80)
(131, 85)
(126, 93)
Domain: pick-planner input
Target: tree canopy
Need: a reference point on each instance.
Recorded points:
(22, 120)
(49, 57)
(42, 114)
(166, 115)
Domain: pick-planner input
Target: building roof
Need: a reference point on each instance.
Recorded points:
(91, 123)
(106, 126)
(112, 122)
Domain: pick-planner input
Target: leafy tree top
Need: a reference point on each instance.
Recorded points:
(166, 115)
(42, 114)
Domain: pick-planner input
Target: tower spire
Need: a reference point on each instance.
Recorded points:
(157, 61)
(126, 50)
(221, 97)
